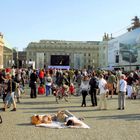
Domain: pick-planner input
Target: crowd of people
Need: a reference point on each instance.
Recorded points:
(76, 82)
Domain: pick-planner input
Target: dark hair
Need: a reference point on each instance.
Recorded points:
(93, 73)
(70, 122)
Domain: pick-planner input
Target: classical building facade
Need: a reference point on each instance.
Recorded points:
(80, 54)
(1, 50)
(22, 59)
(7, 57)
(103, 54)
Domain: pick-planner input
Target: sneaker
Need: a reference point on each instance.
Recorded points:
(14, 109)
(119, 108)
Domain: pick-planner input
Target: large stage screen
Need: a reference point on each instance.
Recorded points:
(60, 60)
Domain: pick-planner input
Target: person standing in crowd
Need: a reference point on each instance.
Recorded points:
(111, 81)
(48, 80)
(41, 76)
(17, 79)
(102, 92)
(122, 92)
(11, 88)
(2, 84)
(84, 89)
(130, 80)
(94, 82)
(33, 81)
(78, 79)
(1, 80)
(84, 72)
(66, 80)
(2, 76)
(59, 79)
(23, 77)
(13, 71)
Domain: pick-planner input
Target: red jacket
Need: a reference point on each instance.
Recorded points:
(41, 74)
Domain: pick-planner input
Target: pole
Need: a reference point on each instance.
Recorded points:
(130, 59)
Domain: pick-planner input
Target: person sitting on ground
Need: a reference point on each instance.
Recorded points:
(73, 121)
(38, 119)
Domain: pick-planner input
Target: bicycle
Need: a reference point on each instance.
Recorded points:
(62, 92)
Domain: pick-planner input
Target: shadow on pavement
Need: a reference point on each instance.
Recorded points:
(127, 117)
(25, 124)
(46, 110)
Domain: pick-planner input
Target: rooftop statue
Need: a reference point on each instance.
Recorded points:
(136, 24)
(106, 37)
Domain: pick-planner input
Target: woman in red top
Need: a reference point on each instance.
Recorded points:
(41, 76)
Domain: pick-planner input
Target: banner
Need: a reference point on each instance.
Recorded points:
(126, 48)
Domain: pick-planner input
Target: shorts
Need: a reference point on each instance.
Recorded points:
(110, 86)
(9, 98)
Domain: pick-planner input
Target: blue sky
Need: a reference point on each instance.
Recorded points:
(25, 21)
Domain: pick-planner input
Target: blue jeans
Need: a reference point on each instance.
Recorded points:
(48, 90)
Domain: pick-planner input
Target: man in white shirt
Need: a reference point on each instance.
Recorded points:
(103, 91)
(122, 92)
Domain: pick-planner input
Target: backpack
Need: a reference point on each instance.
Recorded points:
(94, 83)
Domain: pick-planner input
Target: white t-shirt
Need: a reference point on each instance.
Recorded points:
(123, 85)
(102, 83)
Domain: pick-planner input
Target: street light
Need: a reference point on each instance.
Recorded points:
(130, 57)
(93, 63)
(17, 56)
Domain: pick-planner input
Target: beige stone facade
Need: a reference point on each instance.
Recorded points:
(6, 54)
(103, 54)
(7, 57)
(1, 50)
(82, 54)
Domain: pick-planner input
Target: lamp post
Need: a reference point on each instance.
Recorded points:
(93, 63)
(130, 58)
(17, 57)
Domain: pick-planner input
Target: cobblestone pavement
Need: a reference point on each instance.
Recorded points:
(111, 124)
